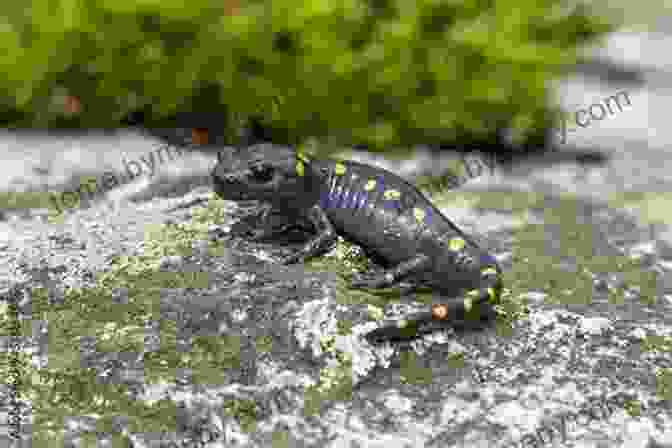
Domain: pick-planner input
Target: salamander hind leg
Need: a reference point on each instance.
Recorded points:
(473, 302)
(258, 227)
(391, 276)
(470, 308)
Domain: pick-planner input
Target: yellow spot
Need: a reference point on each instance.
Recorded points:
(474, 293)
(419, 214)
(370, 185)
(467, 304)
(492, 294)
(340, 169)
(299, 167)
(391, 194)
(456, 244)
(489, 270)
(300, 153)
(402, 323)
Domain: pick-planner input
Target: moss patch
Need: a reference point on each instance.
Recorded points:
(65, 388)
(664, 383)
(411, 372)
(649, 207)
(533, 270)
(244, 411)
(335, 384)
(13, 200)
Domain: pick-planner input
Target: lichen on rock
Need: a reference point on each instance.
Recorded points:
(316, 329)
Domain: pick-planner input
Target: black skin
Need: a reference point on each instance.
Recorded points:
(396, 226)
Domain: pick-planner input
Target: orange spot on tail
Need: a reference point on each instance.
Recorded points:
(439, 312)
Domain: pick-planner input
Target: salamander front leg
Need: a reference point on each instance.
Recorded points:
(260, 226)
(324, 240)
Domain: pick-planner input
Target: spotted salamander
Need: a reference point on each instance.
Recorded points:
(390, 219)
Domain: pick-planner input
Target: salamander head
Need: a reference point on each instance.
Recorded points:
(263, 172)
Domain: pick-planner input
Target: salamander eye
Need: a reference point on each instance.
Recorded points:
(262, 173)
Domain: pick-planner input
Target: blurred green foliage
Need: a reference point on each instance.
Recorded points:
(381, 72)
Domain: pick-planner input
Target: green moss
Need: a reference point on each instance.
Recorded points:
(650, 207)
(451, 178)
(49, 438)
(344, 327)
(511, 307)
(664, 384)
(656, 343)
(456, 360)
(245, 411)
(533, 270)
(514, 202)
(411, 372)
(264, 344)
(335, 384)
(375, 312)
(10, 200)
(633, 407)
(280, 439)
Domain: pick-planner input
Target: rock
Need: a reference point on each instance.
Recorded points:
(595, 326)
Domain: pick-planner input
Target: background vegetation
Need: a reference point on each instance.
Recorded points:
(378, 72)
